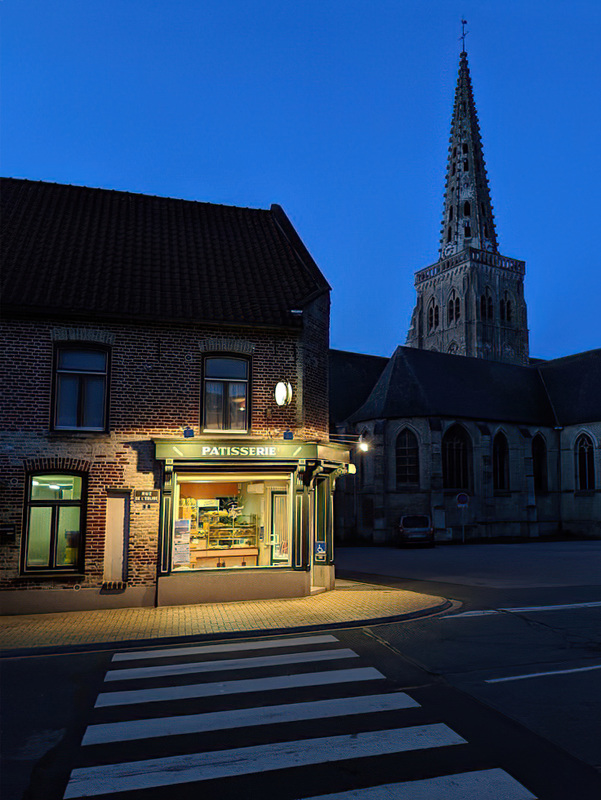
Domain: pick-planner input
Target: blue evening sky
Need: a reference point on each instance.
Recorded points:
(338, 110)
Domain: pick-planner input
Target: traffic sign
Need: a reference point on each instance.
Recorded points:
(463, 500)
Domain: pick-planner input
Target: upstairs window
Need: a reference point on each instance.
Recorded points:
(466, 209)
(54, 524)
(226, 394)
(407, 459)
(465, 165)
(80, 388)
(585, 463)
(433, 315)
(464, 147)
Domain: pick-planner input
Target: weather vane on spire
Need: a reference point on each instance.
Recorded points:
(464, 33)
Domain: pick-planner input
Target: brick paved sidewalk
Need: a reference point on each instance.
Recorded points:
(350, 602)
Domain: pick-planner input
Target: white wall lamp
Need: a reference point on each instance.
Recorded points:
(283, 393)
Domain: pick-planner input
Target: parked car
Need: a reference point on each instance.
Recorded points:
(416, 529)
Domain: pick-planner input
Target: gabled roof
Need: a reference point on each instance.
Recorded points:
(100, 253)
(352, 377)
(574, 386)
(418, 383)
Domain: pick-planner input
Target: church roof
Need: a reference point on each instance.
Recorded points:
(574, 387)
(94, 252)
(418, 383)
(352, 377)
(468, 219)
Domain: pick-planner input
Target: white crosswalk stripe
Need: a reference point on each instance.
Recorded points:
(486, 784)
(162, 736)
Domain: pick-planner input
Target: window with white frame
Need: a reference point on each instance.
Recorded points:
(226, 394)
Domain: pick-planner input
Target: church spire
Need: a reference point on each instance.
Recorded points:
(467, 214)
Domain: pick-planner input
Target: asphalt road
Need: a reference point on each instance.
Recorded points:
(471, 677)
(526, 639)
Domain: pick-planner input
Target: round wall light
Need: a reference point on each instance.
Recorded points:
(283, 393)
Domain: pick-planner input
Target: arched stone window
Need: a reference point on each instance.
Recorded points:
(450, 213)
(433, 315)
(486, 306)
(466, 209)
(456, 458)
(453, 308)
(584, 463)
(407, 459)
(500, 463)
(505, 308)
(539, 464)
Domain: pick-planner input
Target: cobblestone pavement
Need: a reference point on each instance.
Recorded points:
(350, 602)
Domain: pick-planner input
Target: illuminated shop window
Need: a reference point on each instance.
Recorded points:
(225, 394)
(80, 389)
(53, 533)
(232, 522)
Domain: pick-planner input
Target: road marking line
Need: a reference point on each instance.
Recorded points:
(245, 717)
(542, 674)
(486, 784)
(227, 664)
(525, 609)
(136, 775)
(238, 687)
(261, 644)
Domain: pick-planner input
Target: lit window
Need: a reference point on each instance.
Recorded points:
(225, 394)
(53, 531)
(80, 389)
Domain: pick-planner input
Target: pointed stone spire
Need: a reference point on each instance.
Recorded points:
(467, 215)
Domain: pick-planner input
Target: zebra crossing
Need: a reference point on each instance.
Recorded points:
(288, 717)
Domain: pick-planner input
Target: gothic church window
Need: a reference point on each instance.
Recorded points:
(450, 213)
(500, 463)
(465, 165)
(433, 316)
(584, 463)
(486, 307)
(539, 464)
(505, 309)
(467, 231)
(456, 457)
(466, 209)
(464, 147)
(407, 459)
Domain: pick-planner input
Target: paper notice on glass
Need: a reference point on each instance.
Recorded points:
(181, 541)
(181, 553)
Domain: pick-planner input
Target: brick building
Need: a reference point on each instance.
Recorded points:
(146, 456)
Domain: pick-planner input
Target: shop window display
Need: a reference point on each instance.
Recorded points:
(231, 524)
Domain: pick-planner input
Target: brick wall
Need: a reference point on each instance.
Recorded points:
(155, 390)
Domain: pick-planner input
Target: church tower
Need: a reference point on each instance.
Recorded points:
(471, 301)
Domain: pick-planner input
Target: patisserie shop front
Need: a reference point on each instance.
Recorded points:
(248, 519)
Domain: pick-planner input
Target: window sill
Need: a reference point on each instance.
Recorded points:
(77, 431)
(52, 574)
(221, 432)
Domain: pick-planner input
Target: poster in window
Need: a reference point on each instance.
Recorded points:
(181, 541)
